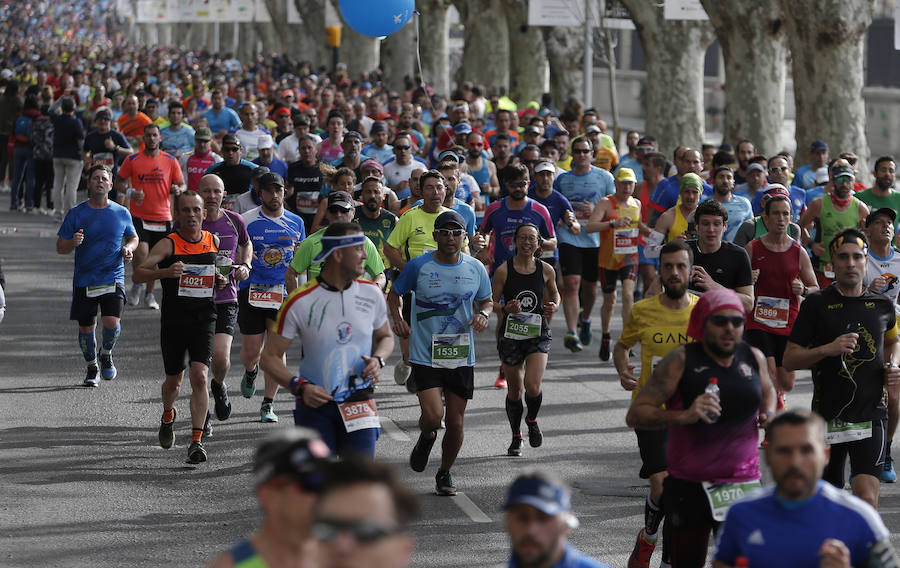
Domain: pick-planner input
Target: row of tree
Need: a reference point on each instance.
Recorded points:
(824, 40)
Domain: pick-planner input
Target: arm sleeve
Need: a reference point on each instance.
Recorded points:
(399, 234)
(374, 265)
(484, 286)
(67, 229)
(302, 257)
(744, 276)
(380, 316)
(803, 331)
(726, 544)
(407, 278)
(128, 223)
(241, 226)
(125, 169)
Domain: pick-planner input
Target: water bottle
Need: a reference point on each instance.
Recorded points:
(741, 562)
(713, 388)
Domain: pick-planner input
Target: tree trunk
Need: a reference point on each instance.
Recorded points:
(433, 32)
(359, 52)
(752, 38)
(312, 38)
(398, 57)
(674, 52)
(527, 54)
(486, 52)
(565, 56)
(827, 40)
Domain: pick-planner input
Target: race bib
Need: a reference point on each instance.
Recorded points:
(523, 326)
(772, 312)
(840, 431)
(101, 290)
(359, 415)
(625, 241)
(449, 351)
(266, 296)
(106, 158)
(156, 226)
(197, 281)
(722, 495)
(228, 202)
(828, 270)
(308, 202)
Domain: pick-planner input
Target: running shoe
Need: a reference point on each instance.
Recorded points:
(247, 383)
(888, 475)
(107, 368)
(418, 458)
(91, 379)
(535, 436)
(572, 343)
(207, 427)
(167, 432)
(500, 383)
(640, 555)
(134, 296)
(515, 447)
(196, 453)
(443, 484)
(150, 302)
(222, 403)
(584, 332)
(267, 413)
(604, 347)
(401, 372)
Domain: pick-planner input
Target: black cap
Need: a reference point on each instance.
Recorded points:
(448, 217)
(296, 452)
(269, 179)
(340, 198)
(259, 172)
(886, 211)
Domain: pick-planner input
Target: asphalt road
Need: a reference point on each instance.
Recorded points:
(85, 483)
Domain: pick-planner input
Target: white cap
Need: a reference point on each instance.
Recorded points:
(544, 167)
(6, 74)
(822, 175)
(265, 141)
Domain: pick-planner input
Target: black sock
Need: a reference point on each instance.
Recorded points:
(514, 410)
(653, 515)
(534, 405)
(267, 400)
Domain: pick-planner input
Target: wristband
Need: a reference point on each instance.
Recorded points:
(296, 386)
(486, 316)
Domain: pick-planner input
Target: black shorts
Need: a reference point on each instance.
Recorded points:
(252, 320)
(652, 445)
(514, 351)
(579, 261)
(608, 278)
(460, 381)
(226, 318)
(84, 309)
(150, 237)
(771, 344)
(193, 338)
(686, 505)
(866, 456)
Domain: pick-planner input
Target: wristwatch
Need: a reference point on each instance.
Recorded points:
(380, 361)
(486, 315)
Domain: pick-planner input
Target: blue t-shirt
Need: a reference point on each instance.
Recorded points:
(98, 259)
(572, 558)
(177, 142)
(382, 155)
(798, 202)
(555, 203)
(636, 167)
(591, 187)
(226, 120)
(813, 193)
(668, 190)
(805, 177)
(442, 302)
(277, 166)
(273, 239)
(739, 210)
(771, 532)
(468, 214)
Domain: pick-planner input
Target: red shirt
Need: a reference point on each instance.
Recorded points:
(154, 176)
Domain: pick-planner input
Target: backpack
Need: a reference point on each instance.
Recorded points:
(23, 128)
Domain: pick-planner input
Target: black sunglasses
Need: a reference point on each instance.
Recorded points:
(721, 321)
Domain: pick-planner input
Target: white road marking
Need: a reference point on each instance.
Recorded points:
(393, 431)
(471, 509)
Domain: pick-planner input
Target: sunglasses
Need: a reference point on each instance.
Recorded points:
(476, 145)
(582, 151)
(518, 185)
(450, 232)
(363, 532)
(338, 209)
(779, 169)
(407, 147)
(231, 148)
(719, 320)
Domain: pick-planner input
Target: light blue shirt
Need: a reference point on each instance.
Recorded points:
(225, 120)
(739, 210)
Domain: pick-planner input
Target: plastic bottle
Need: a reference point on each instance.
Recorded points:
(741, 562)
(713, 388)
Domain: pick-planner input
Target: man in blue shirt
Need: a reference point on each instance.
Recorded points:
(802, 521)
(102, 235)
(538, 519)
(447, 286)
(805, 176)
(178, 137)
(221, 119)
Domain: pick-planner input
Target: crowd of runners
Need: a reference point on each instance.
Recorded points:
(330, 214)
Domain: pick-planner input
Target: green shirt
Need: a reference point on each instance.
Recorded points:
(891, 201)
(312, 246)
(378, 230)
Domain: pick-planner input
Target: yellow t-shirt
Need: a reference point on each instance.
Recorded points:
(413, 232)
(658, 329)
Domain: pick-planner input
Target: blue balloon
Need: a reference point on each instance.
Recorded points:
(379, 18)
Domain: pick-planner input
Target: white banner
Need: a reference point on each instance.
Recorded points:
(684, 10)
(560, 13)
(207, 11)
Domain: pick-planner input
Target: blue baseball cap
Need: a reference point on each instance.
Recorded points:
(462, 128)
(548, 497)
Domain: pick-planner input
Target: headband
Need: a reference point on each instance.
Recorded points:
(330, 244)
(848, 239)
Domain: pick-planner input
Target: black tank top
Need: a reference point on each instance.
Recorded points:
(740, 390)
(185, 299)
(527, 288)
